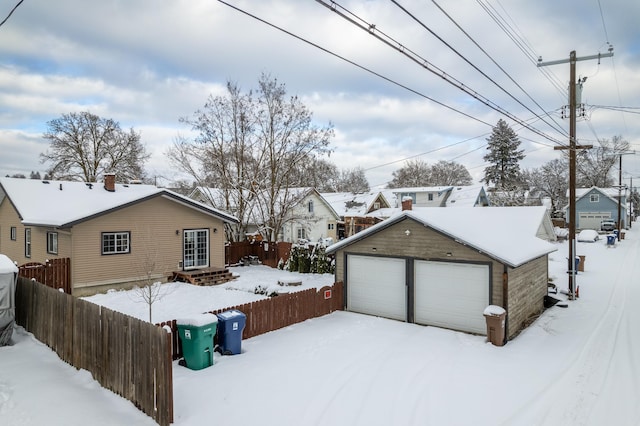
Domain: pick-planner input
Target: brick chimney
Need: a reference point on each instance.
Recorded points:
(407, 203)
(110, 182)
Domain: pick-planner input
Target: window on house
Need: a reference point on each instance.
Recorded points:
(14, 233)
(27, 242)
(52, 242)
(302, 234)
(310, 206)
(594, 198)
(430, 197)
(376, 205)
(330, 226)
(116, 242)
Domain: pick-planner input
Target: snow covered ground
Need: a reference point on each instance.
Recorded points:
(573, 366)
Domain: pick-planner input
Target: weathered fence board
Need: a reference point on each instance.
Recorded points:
(55, 273)
(126, 355)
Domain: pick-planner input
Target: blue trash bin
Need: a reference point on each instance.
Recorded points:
(230, 326)
(611, 240)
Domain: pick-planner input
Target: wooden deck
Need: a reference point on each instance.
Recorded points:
(205, 276)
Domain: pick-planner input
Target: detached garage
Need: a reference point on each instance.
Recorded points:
(443, 267)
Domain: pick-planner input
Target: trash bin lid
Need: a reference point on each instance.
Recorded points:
(198, 320)
(227, 315)
(494, 311)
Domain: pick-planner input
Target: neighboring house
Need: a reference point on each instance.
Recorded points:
(356, 211)
(443, 267)
(308, 216)
(114, 234)
(441, 196)
(593, 205)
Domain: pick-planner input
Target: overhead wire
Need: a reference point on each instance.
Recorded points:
(613, 63)
(355, 63)
(11, 13)
(562, 131)
(424, 63)
(523, 46)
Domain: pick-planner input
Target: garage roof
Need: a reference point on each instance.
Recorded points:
(507, 234)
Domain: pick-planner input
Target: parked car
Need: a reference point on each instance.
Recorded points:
(588, 236)
(608, 225)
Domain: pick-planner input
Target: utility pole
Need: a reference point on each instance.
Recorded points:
(572, 154)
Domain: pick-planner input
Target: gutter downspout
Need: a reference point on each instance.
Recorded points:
(505, 300)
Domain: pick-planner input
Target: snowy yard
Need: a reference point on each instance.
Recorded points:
(181, 299)
(572, 366)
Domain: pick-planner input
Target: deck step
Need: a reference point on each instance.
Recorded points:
(206, 276)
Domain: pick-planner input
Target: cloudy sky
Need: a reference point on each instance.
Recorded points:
(146, 63)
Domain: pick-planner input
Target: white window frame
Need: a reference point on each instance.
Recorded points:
(195, 248)
(52, 242)
(310, 206)
(14, 233)
(594, 198)
(27, 242)
(121, 243)
(302, 233)
(331, 226)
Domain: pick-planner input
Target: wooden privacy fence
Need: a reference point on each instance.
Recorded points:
(268, 253)
(126, 355)
(55, 273)
(277, 312)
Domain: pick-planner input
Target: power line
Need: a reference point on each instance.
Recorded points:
(604, 26)
(562, 131)
(355, 64)
(522, 45)
(11, 13)
(389, 41)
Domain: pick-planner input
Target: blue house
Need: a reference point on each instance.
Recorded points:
(593, 205)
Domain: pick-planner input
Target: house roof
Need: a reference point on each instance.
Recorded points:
(507, 234)
(610, 193)
(65, 203)
(350, 204)
(465, 196)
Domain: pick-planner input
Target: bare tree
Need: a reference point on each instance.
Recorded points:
(594, 166)
(352, 180)
(85, 147)
(413, 173)
(288, 139)
(445, 173)
(252, 148)
(222, 155)
(150, 269)
(550, 180)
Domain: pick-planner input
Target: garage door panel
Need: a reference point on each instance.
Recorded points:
(591, 220)
(451, 295)
(377, 286)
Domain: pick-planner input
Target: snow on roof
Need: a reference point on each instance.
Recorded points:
(507, 234)
(421, 189)
(464, 196)
(6, 265)
(610, 192)
(59, 203)
(350, 204)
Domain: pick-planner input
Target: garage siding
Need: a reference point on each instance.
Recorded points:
(527, 288)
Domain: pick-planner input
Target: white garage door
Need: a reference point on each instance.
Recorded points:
(377, 286)
(451, 295)
(592, 220)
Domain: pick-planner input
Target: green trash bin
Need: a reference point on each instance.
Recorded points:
(196, 334)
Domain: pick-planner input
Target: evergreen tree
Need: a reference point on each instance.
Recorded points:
(503, 157)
